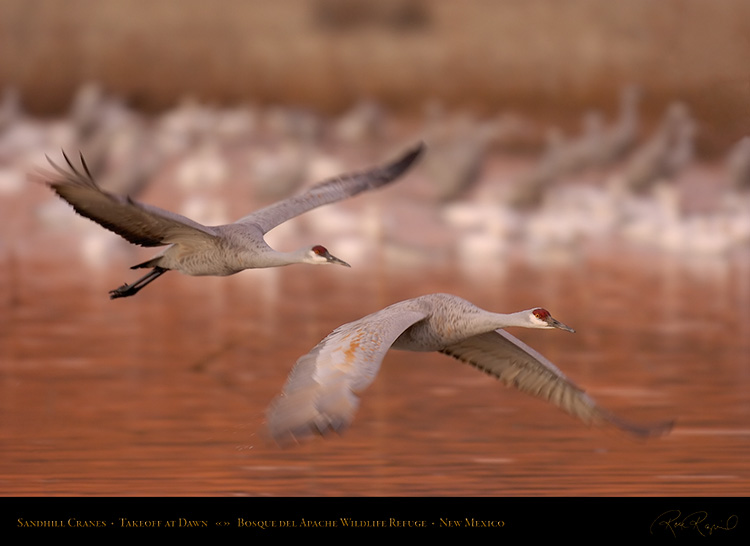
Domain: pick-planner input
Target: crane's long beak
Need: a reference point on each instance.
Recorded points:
(557, 324)
(334, 260)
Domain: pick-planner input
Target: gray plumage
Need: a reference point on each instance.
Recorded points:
(662, 157)
(620, 138)
(195, 249)
(322, 392)
(738, 165)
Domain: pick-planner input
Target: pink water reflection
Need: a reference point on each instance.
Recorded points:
(164, 393)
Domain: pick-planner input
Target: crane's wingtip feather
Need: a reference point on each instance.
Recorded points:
(660, 429)
(406, 160)
(419, 147)
(652, 430)
(67, 160)
(416, 151)
(303, 434)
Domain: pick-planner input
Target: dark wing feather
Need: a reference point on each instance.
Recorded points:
(138, 223)
(330, 191)
(517, 365)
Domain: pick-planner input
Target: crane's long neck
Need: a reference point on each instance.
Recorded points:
(494, 321)
(276, 258)
(450, 319)
(480, 321)
(451, 326)
(452, 315)
(453, 329)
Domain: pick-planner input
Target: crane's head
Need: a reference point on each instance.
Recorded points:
(319, 255)
(541, 318)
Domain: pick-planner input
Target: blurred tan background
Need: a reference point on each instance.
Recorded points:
(541, 56)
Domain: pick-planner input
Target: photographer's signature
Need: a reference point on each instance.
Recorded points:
(675, 522)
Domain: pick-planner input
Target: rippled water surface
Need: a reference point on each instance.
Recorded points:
(164, 393)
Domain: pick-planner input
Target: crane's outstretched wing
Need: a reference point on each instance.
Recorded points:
(138, 223)
(517, 365)
(320, 394)
(330, 191)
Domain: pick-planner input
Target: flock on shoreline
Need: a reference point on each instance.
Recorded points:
(619, 179)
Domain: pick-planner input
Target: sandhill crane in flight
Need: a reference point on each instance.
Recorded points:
(322, 392)
(195, 249)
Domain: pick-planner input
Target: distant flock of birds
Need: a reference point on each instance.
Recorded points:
(322, 392)
(612, 182)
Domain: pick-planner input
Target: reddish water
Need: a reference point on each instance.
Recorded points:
(164, 393)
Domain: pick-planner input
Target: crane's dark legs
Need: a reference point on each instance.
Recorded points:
(132, 289)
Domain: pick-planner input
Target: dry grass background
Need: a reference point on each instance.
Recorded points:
(542, 56)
